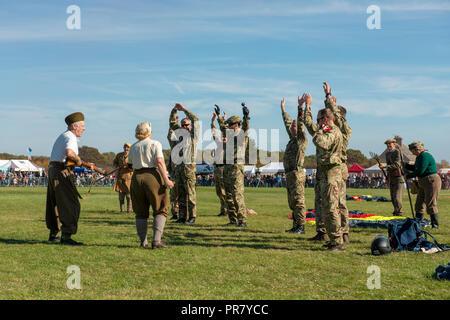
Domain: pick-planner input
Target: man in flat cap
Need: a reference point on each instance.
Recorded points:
(123, 178)
(394, 174)
(63, 206)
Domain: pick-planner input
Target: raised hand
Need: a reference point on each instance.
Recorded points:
(217, 109)
(213, 117)
(301, 100)
(179, 107)
(245, 110)
(308, 99)
(282, 105)
(326, 88)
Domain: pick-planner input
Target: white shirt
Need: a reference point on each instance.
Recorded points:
(67, 140)
(143, 153)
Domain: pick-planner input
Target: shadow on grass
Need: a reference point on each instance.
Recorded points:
(22, 241)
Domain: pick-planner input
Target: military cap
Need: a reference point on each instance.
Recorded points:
(415, 145)
(390, 140)
(234, 119)
(74, 117)
(127, 144)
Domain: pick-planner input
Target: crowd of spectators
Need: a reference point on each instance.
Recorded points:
(32, 179)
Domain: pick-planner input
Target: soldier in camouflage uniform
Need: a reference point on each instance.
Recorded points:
(219, 167)
(393, 167)
(172, 168)
(328, 139)
(312, 129)
(234, 152)
(294, 157)
(339, 113)
(183, 155)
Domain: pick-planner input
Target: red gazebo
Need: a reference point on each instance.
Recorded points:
(356, 168)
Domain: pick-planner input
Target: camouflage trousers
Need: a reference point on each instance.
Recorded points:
(345, 223)
(295, 185)
(329, 185)
(320, 224)
(396, 190)
(220, 187)
(234, 190)
(187, 197)
(174, 200)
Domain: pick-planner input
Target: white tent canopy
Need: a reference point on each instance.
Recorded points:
(272, 167)
(251, 170)
(21, 165)
(373, 169)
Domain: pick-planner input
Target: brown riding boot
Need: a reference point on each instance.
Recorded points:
(346, 238)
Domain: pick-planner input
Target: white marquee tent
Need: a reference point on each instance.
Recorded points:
(272, 167)
(21, 165)
(373, 169)
(251, 170)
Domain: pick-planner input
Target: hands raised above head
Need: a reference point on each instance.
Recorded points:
(326, 88)
(217, 109)
(245, 110)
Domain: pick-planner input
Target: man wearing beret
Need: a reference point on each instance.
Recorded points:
(123, 178)
(394, 175)
(63, 206)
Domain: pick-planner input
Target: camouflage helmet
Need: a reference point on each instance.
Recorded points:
(415, 145)
(390, 140)
(234, 119)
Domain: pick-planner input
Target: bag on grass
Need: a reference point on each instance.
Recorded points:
(408, 235)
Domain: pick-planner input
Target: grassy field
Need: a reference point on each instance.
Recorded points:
(207, 260)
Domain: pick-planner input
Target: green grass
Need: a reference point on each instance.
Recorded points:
(207, 260)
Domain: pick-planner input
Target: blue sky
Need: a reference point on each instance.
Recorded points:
(132, 60)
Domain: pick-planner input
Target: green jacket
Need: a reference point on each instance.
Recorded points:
(425, 165)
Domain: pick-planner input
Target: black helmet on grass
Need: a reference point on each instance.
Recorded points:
(381, 245)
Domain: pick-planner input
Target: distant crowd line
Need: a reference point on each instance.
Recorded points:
(33, 179)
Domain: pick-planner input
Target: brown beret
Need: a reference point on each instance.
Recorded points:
(391, 140)
(74, 117)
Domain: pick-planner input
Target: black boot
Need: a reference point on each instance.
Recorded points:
(419, 216)
(434, 220)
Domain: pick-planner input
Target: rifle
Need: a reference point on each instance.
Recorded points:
(70, 163)
(376, 157)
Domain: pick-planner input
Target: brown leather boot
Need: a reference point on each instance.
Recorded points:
(320, 236)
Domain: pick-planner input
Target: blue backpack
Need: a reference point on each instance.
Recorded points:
(407, 234)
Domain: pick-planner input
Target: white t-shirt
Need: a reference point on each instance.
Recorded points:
(143, 153)
(67, 140)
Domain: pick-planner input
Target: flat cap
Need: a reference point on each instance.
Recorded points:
(390, 140)
(415, 145)
(233, 119)
(74, 117)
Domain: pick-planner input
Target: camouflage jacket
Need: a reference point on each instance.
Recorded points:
(219, 152)
(330, 146)
(312, 128)
(294, 154)
(194, 133)
(342, 124)
(238, 155)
